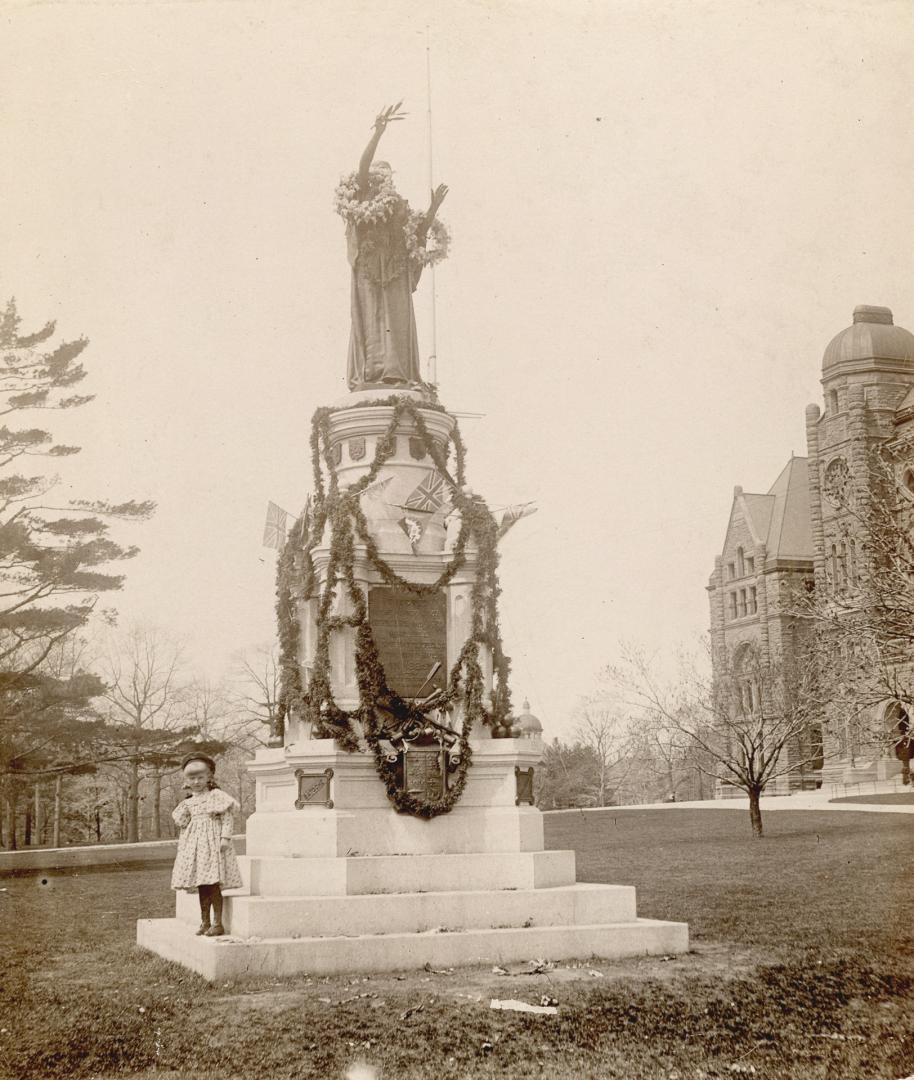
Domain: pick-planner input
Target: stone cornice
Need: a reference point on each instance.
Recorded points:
(374, 420)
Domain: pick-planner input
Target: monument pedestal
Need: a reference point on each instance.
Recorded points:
(336, 880)
(357, 887)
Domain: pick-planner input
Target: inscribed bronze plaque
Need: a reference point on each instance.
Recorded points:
(314, 788)
(523, 778)
(410, 633)
(422, 773)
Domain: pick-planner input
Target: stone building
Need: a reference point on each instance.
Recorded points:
(799, 531)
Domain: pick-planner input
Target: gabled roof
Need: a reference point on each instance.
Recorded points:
(758, 515)
(790, 531)
(780, 519)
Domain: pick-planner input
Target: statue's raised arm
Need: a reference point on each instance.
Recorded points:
(384, 117)
(438, 196)
(389, 244)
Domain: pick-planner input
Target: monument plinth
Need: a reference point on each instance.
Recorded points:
(394, 822)
(336, 878)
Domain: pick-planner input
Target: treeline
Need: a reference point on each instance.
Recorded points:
(614, 759)
(109, 770)
(93, 723)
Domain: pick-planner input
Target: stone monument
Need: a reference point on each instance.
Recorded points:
(395, 823)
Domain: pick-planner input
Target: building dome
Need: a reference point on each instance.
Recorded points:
(528, 723)
(873, 336)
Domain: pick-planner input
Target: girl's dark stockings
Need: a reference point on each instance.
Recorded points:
(210, 898)
(206, 902)
(216, 894)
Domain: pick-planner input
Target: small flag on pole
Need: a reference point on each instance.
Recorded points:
(274, 531)
(374, 491)
(513, 514)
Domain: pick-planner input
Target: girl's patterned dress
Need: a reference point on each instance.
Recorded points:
(204, 820)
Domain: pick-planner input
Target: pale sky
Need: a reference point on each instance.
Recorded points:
(661, 213)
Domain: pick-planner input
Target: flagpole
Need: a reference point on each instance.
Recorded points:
(432, 371)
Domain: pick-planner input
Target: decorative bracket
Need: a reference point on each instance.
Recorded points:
(523, 778)
(314, 788)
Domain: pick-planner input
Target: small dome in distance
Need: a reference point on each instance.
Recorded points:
(528, 723)
(873, 335)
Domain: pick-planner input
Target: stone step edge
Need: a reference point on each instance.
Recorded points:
(365, 898)
(228, 941)
(415, 855)
(223, 958)
(276, 875)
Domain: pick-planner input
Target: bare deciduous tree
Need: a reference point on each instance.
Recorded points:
(751, 727)
(602, 727)
(148, 710)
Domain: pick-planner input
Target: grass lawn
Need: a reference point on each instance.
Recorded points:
(896, 798)
(801, 967)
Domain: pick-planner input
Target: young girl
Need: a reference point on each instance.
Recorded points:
(206, 859)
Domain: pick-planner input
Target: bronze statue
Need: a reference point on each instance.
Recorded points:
(388, 245)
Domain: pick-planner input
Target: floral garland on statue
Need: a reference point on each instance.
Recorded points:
(296, 581)
(356, 210)
(437, 241)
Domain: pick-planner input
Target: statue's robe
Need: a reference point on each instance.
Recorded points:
(383, 346)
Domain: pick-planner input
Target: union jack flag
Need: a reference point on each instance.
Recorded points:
(429, 495)
(274, 530)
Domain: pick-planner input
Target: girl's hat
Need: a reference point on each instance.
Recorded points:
(197, 756)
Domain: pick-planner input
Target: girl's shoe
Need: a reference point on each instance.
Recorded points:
(215, 931)
(204, 928)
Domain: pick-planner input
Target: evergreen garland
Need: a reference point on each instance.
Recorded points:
(297, 582)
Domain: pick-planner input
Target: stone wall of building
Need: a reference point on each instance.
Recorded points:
(801, 530)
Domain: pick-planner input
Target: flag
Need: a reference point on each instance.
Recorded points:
(413, 530)
(429, 495)
(512, 514)
(274, 530)
(374, 490)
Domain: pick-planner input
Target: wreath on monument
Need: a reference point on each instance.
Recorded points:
(297, 582)
(356, 210)
(380, 208)
(437, 241)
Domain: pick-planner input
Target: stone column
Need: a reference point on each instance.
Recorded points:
(718, 613)
(815, 494)
(762, 579)
(859, 465)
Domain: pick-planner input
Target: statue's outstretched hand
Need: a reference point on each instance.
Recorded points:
(384, 117)
(438, 196)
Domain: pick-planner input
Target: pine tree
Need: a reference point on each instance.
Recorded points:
(55, 561)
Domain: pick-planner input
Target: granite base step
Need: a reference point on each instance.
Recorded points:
(249, 916)
(356, 875)
(233, 958)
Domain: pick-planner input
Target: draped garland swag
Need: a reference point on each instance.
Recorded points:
(297, 582)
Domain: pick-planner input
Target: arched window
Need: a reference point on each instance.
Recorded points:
(747, 693)
(740, 562)
(833, 401)
(842, 565)
(834, 567)
(853, 562)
